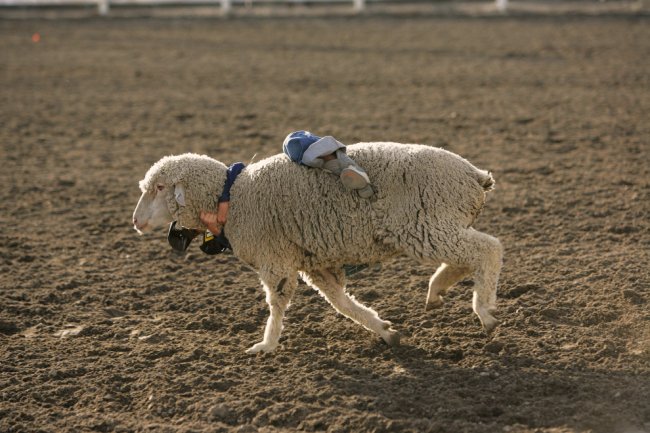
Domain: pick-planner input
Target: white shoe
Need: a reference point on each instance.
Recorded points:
(354, 178)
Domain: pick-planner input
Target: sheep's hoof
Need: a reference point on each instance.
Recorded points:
(261, 347)
(489, 323)
(434, 303)
(392, 338)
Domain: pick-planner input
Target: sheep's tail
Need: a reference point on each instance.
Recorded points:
(486, 180)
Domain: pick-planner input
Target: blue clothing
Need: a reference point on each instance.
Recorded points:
(306, 148)
(297, 142)
(231, 175)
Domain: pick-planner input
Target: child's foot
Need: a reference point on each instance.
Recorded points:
(353, 178)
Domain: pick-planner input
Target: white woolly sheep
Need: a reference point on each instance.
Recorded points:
(287, 220)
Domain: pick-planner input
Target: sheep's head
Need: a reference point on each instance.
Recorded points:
(179, 188)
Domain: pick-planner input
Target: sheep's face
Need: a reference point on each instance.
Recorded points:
(177, 188)
(152, 210)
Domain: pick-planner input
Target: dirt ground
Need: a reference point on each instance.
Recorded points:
(105, 330)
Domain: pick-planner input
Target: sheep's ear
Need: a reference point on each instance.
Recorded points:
(179, 194)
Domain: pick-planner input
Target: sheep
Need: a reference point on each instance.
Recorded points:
(288, 220)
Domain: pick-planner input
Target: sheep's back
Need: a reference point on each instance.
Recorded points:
(424, 193)
(297, 211)
(412, 177)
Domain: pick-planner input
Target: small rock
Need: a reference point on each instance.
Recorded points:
(69, 332)
(624, 229)
(520, 290)
(633, 297)
(114, 312)
(8, 328)
(493, 347)
(218, 412)
(31, 332)
(153, 338)
(427, 324)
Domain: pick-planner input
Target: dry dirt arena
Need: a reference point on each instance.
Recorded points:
(104, 330)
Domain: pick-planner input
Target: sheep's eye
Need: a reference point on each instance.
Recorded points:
(160, 187)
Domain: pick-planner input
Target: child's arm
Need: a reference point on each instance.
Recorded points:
(222, 212)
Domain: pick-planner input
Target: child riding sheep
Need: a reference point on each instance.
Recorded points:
(329, 154)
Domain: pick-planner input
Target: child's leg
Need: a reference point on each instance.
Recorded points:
(352, 176)
(332, 164)
(328, 154)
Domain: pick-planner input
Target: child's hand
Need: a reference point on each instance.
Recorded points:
(211, 221)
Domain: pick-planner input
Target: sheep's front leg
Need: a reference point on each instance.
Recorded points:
(279, 291)
(331, 283)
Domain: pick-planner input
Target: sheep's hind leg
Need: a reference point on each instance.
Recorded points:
(488, 253)
(446, 276)
(279, 291)
(331, 283)
(482, 254)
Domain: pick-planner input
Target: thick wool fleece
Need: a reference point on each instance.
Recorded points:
(201, 177)
(287, 216)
